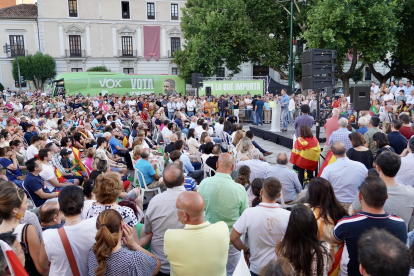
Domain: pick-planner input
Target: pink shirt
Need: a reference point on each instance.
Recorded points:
(88, 164)
(330, 126)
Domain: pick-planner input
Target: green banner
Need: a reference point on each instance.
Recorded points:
(237, 87)
(109, 83)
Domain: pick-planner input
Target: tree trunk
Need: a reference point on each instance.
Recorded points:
(345, 84)
(380, 77)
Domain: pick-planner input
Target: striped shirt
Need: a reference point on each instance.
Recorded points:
(350, 229)
(161, 216)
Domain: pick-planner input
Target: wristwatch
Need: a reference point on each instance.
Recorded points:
(247, 251)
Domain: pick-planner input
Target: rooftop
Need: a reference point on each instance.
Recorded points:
(22, 11)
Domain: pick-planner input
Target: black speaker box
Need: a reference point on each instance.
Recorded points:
(208, 91)
(360, 97)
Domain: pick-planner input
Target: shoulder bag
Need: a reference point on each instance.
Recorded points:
(29, 265)
(69, 252)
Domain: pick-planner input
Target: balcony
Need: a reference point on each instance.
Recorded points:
(19, 53)
(75, 53)
(127, 53)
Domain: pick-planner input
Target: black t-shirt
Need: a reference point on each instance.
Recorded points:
(212, 163)
(232, 119)
(350, 229)
(169, 148)
(158, 122)
(254, 103)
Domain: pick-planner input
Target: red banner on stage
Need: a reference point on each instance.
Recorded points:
(152, 42)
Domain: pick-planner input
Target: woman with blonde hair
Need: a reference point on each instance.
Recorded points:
(238, 136)
(108, 257)
(244, 153)
(18, 134)
(203, 137)
(136, 154)
(244, 139)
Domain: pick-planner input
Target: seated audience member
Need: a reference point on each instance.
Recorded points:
(363, 125)
(406, 129)
(250, 135)
(50, 216)
(151, 177)
(381, 141)
(212, 160)
(180, 246)
(257, 167)
(162, 215)
(380, 253)
(244, 151)
(397, 141)
(80, 233)
(369, 135)
(189, 182)
(13, 205)
(243, 176)
(48, 173)
(189, 169)
(9, 161)
(170, 147)
(301, 246)
(358, 152)
(89, 197)
(279, 267)
(107, 254)
(400, 201)
(405, 174)
(34, 184)
(344, 175)
(291, 187)
(11, 239)
(341, 135)
(119, 150)
(29, 133)
(256, 222)
(373, 195)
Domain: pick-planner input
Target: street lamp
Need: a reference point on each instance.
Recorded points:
(7, 49)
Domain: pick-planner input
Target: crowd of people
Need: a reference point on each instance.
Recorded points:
(176, 185)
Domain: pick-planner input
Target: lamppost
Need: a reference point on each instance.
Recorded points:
(7, 49)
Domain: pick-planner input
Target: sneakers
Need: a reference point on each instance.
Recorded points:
(284, 129)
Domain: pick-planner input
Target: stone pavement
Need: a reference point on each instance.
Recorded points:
(272, 147)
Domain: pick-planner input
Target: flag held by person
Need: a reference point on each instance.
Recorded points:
(330, 158)
(15, 266)
(59, 176)
(305, 153)
(77, 159)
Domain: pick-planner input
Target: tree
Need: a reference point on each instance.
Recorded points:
(1, 87)
(357, 77)
(98, 69)
(360, 27)
(231, 32)
(36, 68)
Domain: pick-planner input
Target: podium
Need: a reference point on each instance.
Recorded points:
(276, 111)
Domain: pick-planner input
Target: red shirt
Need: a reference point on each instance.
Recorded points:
(406, 132)
(330, 126)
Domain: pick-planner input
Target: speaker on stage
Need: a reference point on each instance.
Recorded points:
(208, 91)
(360, 97)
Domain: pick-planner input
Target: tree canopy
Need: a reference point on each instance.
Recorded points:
(36, 68)
(98, 69)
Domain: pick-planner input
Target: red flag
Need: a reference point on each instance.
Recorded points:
(330, 158)
(125, 142)
(59, 176)
(15, 266)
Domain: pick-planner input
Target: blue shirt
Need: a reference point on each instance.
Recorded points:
(179, 123)
(188, 167)
(113, 142)
(285, 101)
(11, 174)
(341, 135)
(28, 136)
(32, 184)
(362, 130)
(407, 91)
(259, 106)
(397, 141)
(94, 123)
(266, 105)
(147, 170)
(189, 183)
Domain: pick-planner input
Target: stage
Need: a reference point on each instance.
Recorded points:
(282, 138)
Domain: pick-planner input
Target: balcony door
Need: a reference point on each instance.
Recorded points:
(75, 46)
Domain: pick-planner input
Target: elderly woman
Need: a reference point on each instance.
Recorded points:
(244, 153)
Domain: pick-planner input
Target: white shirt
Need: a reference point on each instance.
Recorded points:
(47, 174)
(190, 106)
(410, 99)
(87, 204)
(81, 237)
(345, 177)
(405, 174)
(266, 224)
(248, 103)
(219, 129)
(31, 152)
(291, 104)
(258, 168)
(198, 130)
(388, 96)
(179, 105)
(375, 89)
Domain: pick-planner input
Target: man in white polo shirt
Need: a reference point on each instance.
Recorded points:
(266, 224)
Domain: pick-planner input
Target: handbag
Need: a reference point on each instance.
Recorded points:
(68, 251)
(29, 265)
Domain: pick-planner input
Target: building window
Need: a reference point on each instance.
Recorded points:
(368, 74)
(127, 49)
(174, 71)
(150, 11)
(175, 44)
(221, 73)
(77, 70)
(125, 10)
(17, 45)
(75, 46)
(73, 8)
(128, 70)
(174, 11)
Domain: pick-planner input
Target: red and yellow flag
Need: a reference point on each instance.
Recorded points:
(125, 142)
(305, 153)
(77, 159)
(59, 176)
(330, 158)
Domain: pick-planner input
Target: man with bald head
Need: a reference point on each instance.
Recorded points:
(209, 242)
(161, 214)
(345, 175)
(225, 201)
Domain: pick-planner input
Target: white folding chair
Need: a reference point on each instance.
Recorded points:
(209, 170)
(145, 188)
(282, 203)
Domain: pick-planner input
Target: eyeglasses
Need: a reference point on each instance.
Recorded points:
(175, 208)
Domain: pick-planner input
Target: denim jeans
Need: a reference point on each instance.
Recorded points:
(291, 116)
(223, 113)
(170, 115)
(190, 113)
(285, 113)
(249, 113)
(259, 118)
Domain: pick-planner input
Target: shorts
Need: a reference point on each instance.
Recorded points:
(115, 169)
(71, 181)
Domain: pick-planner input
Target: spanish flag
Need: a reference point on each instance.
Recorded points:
(59, 176)
(125, 142)
(305, 153)
(330, 158)
(15, 266)
(77, 159)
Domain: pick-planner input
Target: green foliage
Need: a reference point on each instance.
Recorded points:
(37, 68)
(1, 87)
(98, 69)
(358, 76)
